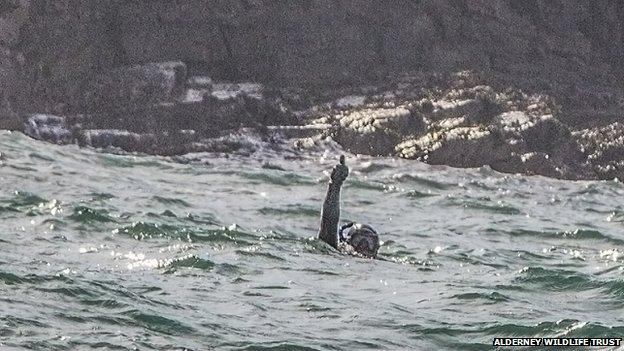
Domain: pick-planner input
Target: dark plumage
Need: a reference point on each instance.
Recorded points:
(361, 237)
(364, 239)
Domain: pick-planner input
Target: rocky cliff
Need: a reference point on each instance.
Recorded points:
(49, 47)
(141, 66)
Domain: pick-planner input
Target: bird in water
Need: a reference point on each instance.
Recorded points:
(360, 239)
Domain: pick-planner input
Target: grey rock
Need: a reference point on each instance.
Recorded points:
(457, 147)
(49, 128)
(123, 139)
(13, 15)
(140, 85)
(376, 131)
(604, 148)
(88, 61)
(319, 40)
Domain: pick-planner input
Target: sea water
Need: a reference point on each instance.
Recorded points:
(128, 252)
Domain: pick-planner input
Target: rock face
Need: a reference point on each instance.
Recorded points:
(537, 89)
(463, 123)
(377, 131)
(154, 108)
(48, 127)
(605, 150)
(53, 46)
(138, 85)
(471, 127)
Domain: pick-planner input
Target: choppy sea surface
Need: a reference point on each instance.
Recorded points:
(126, 252)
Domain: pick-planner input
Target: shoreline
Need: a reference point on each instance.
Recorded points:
(463, 119)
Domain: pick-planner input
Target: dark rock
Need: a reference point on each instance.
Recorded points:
(165, 128)
(292, 132)
(9, 119)
(89, 61)
(604, 148)
(10, 123)
(316, 40)
(464, 127)
(49, 128)
(200, 82)
(10, 81)
(13, 15)
(457, 147)
(7, 6)
(123, 139)
(377, 131)
(456, 108)
(141, 85)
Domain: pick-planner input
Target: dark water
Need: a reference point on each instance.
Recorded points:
(125, 252)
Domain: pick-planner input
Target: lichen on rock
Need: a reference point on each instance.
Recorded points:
(604, 148)
(376, 131)
(458, 147)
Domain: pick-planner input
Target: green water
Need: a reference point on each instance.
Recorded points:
(122, 252)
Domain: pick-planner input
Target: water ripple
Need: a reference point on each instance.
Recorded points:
(138, 252)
